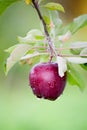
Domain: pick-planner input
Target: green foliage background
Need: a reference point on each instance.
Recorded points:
(19, 108)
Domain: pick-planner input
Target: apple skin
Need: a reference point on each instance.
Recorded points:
(46, 82)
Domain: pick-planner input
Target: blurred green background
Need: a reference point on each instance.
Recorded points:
(19, 108)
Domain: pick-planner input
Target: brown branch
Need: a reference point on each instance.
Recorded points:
(48, 38)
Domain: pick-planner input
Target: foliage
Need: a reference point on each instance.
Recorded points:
(54, 6)
(77, 23)
(49, 41)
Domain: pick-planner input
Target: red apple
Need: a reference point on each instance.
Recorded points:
(45, 81)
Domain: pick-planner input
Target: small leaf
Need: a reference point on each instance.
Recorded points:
(49, 23)
(84, 66)
(54, 6)
(28, 56)
(34, 32)
(70, 79)
(83, 52)
(65, 37)
(76, 47)
(76, 60)
(34, 57)
(79, 44)
(79, 22)
(75, 51)
(62, 66)
(10, 49)
(47, 20)
(75, 77)
(16, 54)
(33, 36)
(55, 19)
(38, 37)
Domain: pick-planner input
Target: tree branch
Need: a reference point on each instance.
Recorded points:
(48, 38)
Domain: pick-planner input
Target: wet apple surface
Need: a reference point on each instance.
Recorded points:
(46, 82)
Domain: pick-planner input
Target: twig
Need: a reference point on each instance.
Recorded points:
(48, 38)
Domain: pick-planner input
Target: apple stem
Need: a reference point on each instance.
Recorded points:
(50, 58)
(48, 38)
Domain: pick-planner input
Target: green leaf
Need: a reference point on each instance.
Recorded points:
(84, 52)
(5, 3)
(54, 6)
(75, 77)
(78, 44)
(75, 51)
(34, 57)
(28, 56)
(71, 80)
(84, 66)
(77, 23)
(54, 17)
(10, 49)
(53, 22)
(77, 47)
(76, 60)
(15, 56)
(32, 37)
(47, 20)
